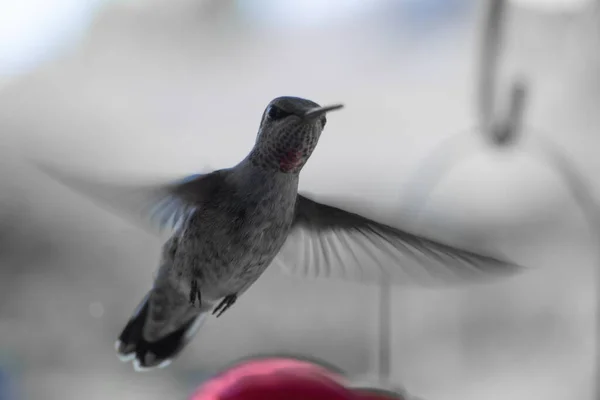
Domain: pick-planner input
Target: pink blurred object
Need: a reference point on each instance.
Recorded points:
(283, 378)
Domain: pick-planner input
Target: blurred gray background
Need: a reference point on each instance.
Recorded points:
(139, 89)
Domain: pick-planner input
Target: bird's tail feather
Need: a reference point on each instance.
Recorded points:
(131, 344)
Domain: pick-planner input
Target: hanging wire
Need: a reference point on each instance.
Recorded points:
(502, 131)
(385, 332)
(385, 344)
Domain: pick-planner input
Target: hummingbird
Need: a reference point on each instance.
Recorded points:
(229, 225)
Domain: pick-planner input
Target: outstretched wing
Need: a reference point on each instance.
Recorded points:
(326, 241)
(158, 206)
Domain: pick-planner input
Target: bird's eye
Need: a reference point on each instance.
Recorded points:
(276, 113)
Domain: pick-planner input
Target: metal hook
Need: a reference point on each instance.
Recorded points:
(505, 130)
(500, 129)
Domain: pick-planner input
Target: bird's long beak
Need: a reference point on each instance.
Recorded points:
(316, 112)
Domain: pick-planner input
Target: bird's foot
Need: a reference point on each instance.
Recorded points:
(225, 304)
(195, 294)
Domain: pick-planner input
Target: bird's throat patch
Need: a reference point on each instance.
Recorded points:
(290, 161)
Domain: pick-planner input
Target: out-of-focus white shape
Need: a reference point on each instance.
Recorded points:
(303, 12)
(96, 309)
(137, 5)
(554, 5)
(32, 31)
(311, 13)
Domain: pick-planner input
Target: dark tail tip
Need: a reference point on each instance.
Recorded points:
(131, 344)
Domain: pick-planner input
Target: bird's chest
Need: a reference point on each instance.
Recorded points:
(262, 230)
(235, 240)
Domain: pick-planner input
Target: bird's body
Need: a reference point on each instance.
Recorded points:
(232, 235)
(231, 224)
(220, 249)
(227, 243)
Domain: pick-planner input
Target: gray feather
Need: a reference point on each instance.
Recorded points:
(153, 206)
(326, 241)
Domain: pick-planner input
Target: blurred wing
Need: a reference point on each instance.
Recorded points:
(162, 205)
(326, 241)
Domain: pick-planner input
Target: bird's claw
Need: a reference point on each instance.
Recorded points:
(195, 294)
(225, 304)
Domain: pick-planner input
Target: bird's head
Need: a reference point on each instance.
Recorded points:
(289, 131)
